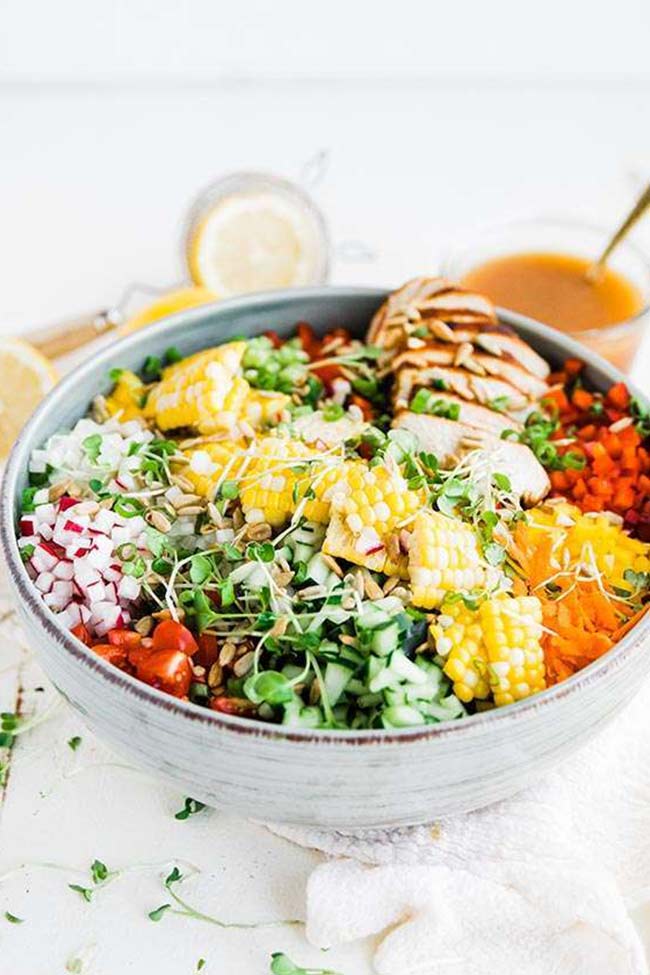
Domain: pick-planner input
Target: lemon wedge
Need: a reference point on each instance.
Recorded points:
(25, 377)
(254, 241)
(168, 304)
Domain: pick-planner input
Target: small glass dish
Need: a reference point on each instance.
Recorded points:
(617, 342)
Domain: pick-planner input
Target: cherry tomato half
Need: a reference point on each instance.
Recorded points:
(232, 705)
(170, 635)
(81, 633)
(208, 651)
(168, 670)
(114, 655)
(128, 639)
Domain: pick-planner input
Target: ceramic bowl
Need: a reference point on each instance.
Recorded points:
(334, 779)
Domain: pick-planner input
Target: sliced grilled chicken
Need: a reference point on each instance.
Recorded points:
(465, 356)
(478, 416)
(500, 341)
(422, 301)
(467, 385)
(450, 440)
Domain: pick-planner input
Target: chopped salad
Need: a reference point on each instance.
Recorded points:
(325, 532)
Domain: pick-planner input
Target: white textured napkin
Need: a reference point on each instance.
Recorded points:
(539, 884)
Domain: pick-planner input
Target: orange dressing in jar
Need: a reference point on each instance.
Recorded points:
(553, 289)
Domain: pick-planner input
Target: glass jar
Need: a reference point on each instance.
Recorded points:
(618, 342)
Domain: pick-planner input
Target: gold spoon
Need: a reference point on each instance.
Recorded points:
(594, 270)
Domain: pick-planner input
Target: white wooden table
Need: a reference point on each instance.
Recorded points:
(93, 188)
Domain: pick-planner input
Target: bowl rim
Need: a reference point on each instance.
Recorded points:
(45, 619)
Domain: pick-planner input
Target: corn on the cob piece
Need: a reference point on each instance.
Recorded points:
(366, 516)
(212, 462)
(203, 392)
(126, 396)
(262, 406)
(460, 641)
(493, 649)
(278, 475)
(330, 482)
(592, 541)
(443, 557)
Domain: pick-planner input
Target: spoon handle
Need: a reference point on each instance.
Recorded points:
(633, 216)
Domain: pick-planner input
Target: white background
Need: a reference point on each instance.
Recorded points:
(435, 118)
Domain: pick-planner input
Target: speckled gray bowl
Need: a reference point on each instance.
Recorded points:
(329, 778)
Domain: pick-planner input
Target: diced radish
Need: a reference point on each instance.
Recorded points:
(84, 574)
(38, 462)
(42, 496)
(44, 581)
(110, 590)
(112, 574)
(45, 513)
(63, 570)
(84, 613)
(71, 615)
(120, 535)
(27, 526)
(104, 521)
(67, 502)
(95, 592)
(104, 544)
(129, 588)
(63, 588)
(28, 540)
(43, 560)
(99, 560)
(73, 526)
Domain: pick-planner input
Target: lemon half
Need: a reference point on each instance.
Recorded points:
(168, 304)
(25, 377)
(254, 241)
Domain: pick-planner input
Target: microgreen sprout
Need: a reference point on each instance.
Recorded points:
(190, 808)
(181, 907)
(281, 964)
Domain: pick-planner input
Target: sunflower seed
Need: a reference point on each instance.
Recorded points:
(227, 654)
(158, 520)
(57, 490)
(244, 664)
(182, 500)
(259, 532)
(144, 626)
(333, 565)
(214, 675)
(372, 589)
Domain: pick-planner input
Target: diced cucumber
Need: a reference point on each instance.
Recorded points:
(296, 715)
(402, 716)
(393, 696)
(389, 604)
(374, 666)
(309, 534)
(385, 678)
(351, 653)
(336, 678)
(250, 575)
(356, 687)
(302, 552)
(285, 552)
(401, 665)
(370, 700)
(385, 639)
(371, 617)
(318, 570)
